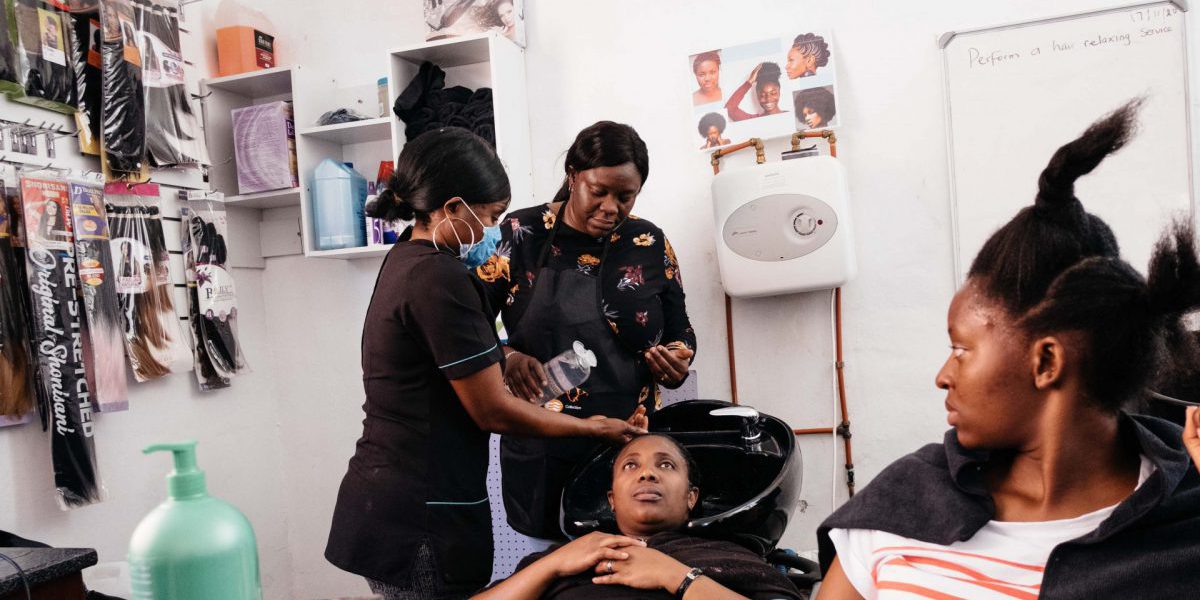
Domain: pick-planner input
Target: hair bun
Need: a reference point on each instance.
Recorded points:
(390, 207)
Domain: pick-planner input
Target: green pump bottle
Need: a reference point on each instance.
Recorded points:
(193, 546)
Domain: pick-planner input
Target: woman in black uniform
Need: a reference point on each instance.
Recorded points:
(412, 514)
(584, 268)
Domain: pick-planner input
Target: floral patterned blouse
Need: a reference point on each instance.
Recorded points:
(641, 290)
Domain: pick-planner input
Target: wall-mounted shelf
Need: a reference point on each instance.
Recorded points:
(270, 199)
(356, 132)
(264, 83)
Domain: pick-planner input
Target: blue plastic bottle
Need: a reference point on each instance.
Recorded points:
(338, 193)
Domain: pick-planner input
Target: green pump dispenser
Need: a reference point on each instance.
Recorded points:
(192, 546)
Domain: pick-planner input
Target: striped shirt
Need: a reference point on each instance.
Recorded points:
(1004, 560)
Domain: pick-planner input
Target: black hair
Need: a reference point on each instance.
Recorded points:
(713, 55)
(1054, 268)
(711, 119)
(604, 144)
(693, 469)
(814, 45)
(819, 99)
(1019, 261)
(768, 73)
(439, 165)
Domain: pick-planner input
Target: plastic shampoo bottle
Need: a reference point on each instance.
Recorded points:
(193, 546)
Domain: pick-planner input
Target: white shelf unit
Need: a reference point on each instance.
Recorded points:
(482, 60)
(223, 95)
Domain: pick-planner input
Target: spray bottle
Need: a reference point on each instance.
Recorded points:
(192, 546)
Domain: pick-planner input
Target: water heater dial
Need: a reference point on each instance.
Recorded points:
(804, 224)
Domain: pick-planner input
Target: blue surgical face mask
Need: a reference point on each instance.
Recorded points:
(482, 251)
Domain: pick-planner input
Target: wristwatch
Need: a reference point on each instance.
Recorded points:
(691, 576)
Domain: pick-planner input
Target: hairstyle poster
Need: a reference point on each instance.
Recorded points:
(451, 18)
(764, 89)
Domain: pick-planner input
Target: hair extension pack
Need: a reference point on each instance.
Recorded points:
(212, 297)
(173, 135)
(58, 329)
(43, 37)
(85, 63)
(16, 362)
(123, 118)
(105, 339)
(154, 340)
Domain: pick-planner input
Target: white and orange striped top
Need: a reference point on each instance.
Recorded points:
(1003, 561)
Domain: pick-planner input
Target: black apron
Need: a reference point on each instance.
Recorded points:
(565, 307)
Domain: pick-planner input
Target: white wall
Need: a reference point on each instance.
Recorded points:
(586, 61)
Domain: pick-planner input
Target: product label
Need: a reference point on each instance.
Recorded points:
(131, 261)
(264, 49)
(119, 27)
(93, 56)
(48, 213)
(163, 67)
(50, 27)
(214, 286)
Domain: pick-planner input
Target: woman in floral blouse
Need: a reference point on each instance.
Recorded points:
(583, 268)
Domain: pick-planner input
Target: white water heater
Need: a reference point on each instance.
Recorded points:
(784, 227)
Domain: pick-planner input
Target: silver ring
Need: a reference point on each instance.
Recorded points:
(609, 566)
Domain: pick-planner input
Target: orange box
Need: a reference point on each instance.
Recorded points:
(241, 49)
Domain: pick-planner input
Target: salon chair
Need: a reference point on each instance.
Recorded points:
(750, 477)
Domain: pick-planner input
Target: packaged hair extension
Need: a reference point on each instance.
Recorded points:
(123, 114)
(173, 135)
(16, 361)
(10, 69)
(154, 340)
(105, 339)
(57, 316)
(85, 63)
(212, 295)
(42, 55)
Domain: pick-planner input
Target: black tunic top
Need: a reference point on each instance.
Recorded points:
(419, 470)
(641, 287)
(727, 563)
(1148, 548)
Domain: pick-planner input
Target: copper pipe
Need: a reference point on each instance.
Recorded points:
(760, 153)
(829, 136)
(729, 341)
(843, 428)
(815, 431)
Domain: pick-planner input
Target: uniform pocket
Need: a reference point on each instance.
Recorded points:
(462, 541)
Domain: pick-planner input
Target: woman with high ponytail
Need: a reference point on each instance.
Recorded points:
(412, 513)
(1045, 485)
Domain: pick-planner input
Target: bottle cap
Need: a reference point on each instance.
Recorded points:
(586, 357)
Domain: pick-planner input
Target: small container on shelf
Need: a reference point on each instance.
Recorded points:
(338, 194)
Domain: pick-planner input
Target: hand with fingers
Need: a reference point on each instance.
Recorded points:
(669, 364)
(524, 376)
(593, 549)
(643, 568)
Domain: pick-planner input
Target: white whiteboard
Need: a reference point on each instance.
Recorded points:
(1016, 93)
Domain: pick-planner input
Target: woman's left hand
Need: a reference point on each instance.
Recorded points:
(645, 569)
(1191, 435)
(669, 365)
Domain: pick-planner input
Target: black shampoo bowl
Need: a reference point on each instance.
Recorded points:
(750, 475)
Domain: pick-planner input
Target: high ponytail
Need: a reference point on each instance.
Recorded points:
(1018, 263)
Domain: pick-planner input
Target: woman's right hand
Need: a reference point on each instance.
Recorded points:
(617, 431)
(754, 74)
(583, 554)
(524, 376)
